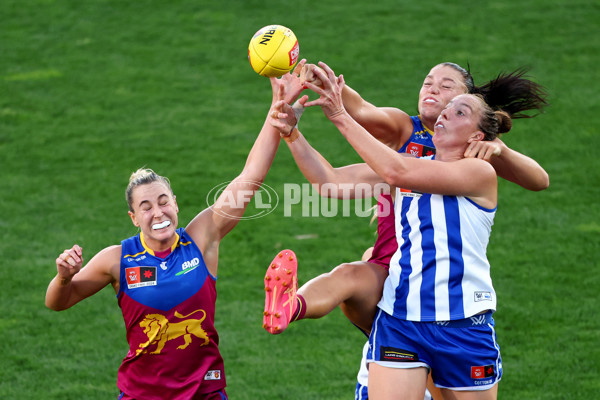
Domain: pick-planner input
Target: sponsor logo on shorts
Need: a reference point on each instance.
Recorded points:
(394, 354)
(213, 375)
(482, 372)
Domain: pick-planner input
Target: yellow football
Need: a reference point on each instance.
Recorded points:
(273, 51)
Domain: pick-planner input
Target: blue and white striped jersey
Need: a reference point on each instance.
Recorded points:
(440, 271)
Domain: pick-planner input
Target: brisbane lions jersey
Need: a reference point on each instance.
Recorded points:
(168, 306)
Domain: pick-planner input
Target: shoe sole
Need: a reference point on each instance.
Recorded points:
(281, 282)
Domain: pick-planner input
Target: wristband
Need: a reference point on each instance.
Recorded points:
(298, 110)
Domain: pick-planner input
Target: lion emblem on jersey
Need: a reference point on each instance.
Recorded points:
(160, 330)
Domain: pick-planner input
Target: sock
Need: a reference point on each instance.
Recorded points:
(300, 309)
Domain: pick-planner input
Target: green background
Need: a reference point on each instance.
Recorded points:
(92, 90)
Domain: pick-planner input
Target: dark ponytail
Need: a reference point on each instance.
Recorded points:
(513, 93)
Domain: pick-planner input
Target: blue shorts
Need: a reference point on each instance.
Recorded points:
(462, 354)
(361, 392)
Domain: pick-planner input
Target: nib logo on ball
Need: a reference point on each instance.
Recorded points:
(273, 51)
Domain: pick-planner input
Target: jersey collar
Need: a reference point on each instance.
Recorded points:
(149, 250)
(424, 127)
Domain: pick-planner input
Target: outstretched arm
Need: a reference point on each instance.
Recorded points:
(510, 164)
(328, 181)
(340, 182)
(211, 225)
(389, 125)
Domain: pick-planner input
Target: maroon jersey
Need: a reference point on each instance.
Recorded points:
(168, 306)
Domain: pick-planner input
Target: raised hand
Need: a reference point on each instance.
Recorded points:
(330, 94)
(307, 74)
(291, 84)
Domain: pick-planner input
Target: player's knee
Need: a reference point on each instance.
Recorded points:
(350, 274)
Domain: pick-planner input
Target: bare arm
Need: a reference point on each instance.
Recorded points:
(510, 164)
(74, 283)
(389, 125)
(210, 226)
(215, 222)
(328, 181)
(332, 182)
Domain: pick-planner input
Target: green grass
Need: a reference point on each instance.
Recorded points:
(92, 90)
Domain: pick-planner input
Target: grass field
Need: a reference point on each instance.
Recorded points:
(92, 90)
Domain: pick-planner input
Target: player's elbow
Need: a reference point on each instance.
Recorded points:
(393, 176)
(54, 307)
(542, 182)
(55, 304)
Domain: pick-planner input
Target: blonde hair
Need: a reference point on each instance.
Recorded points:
(143, 176)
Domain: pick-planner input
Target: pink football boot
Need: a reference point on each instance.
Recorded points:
(281, 283)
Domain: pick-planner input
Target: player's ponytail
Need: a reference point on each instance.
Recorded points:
(493, 122)
(514, 94)
(504, 121)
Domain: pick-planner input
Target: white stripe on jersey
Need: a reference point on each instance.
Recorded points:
(416, 256)
(442, 270)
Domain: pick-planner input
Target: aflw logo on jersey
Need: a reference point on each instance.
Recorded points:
(140, 276)
(419, 150)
